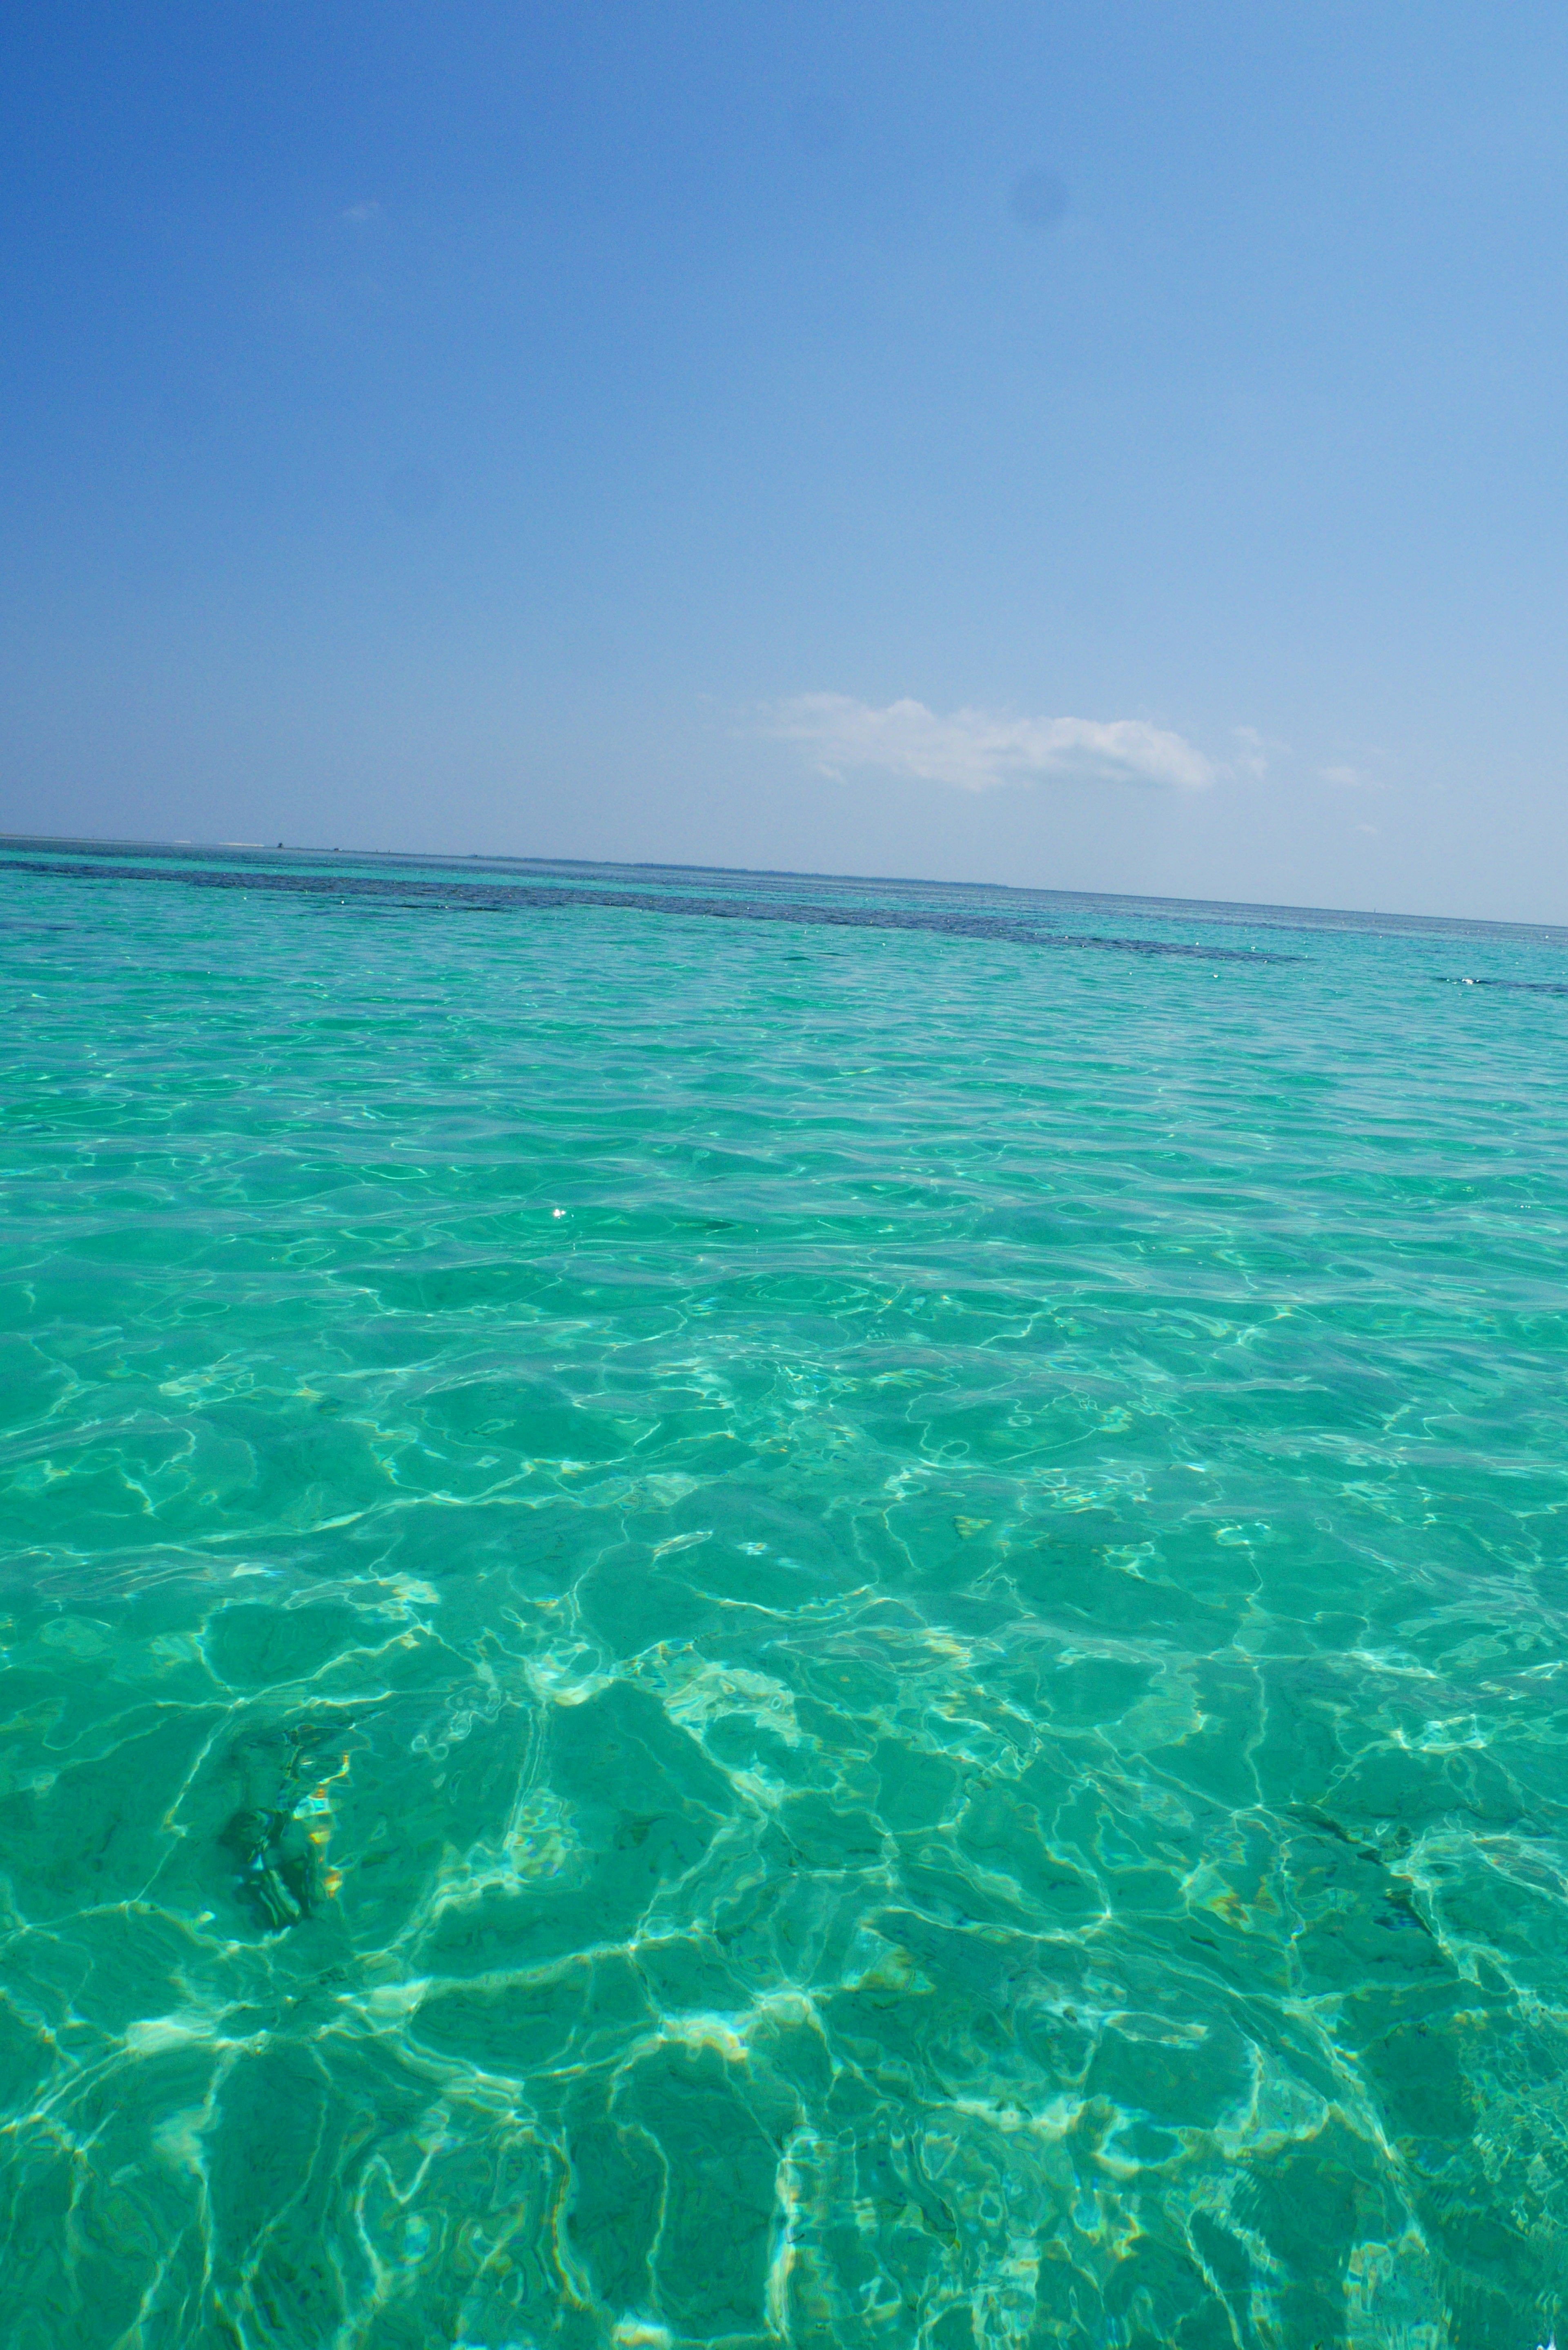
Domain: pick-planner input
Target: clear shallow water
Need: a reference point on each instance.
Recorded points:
(908, 1549)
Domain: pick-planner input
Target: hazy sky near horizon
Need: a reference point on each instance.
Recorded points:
(1086, 446)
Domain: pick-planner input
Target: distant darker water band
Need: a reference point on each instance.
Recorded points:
(496, 897)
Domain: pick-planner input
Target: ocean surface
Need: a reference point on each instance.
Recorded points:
(743, 1609)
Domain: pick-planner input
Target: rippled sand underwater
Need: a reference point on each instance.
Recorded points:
(744, 1611)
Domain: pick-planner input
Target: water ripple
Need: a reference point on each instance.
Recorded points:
(753, 1630)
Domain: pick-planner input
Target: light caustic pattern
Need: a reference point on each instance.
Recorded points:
(746, 1613)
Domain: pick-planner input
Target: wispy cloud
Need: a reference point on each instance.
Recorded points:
(359, 213)
(1253, 751)
(975, 749)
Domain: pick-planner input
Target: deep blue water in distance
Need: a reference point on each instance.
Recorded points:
(745, 1609)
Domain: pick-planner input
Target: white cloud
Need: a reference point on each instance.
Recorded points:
(1349, 778)
(359, 213)
(1251, 751)
(973, 749)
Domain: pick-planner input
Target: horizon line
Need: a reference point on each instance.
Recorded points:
(127, 842)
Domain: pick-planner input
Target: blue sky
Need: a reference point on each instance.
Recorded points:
(1086, 446)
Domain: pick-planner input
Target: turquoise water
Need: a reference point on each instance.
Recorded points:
(743, 1610)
